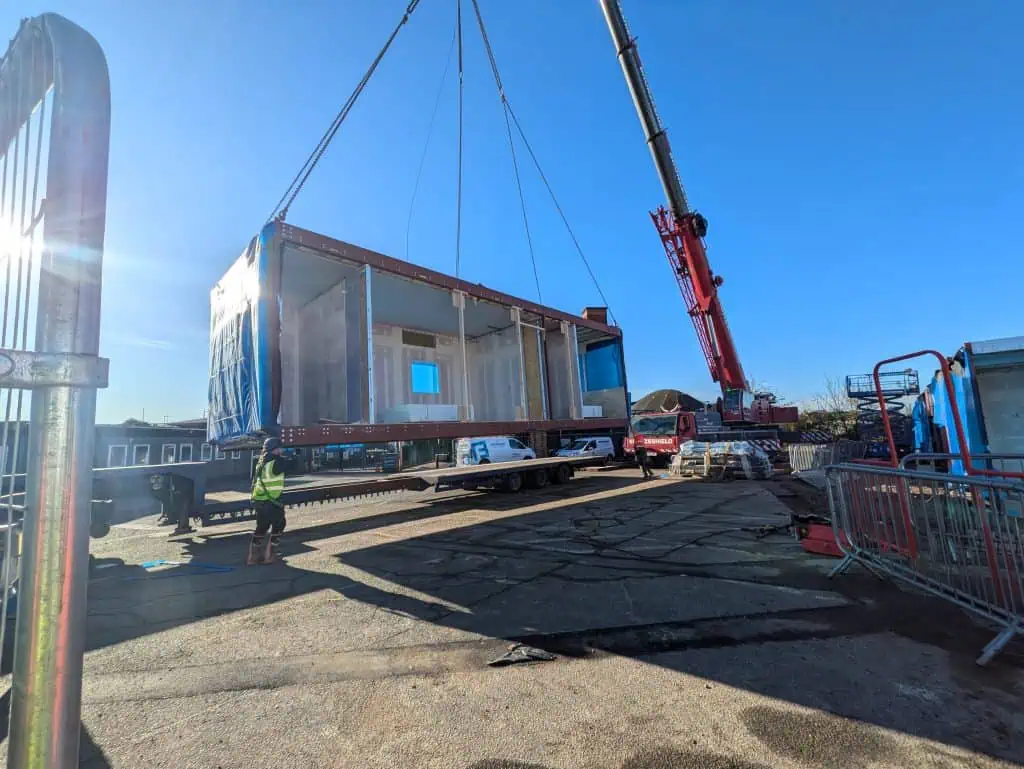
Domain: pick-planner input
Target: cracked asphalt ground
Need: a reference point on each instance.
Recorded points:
(689, 630)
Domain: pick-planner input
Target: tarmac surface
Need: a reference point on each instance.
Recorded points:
(687, 629)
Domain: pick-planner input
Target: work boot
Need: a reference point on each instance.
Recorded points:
(255, 554)
(270, 551)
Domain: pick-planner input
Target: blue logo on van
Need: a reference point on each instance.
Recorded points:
(478, 450)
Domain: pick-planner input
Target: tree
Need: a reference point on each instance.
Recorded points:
(832, 411)
(834, 399)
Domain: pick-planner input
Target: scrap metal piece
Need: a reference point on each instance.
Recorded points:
(519, 653)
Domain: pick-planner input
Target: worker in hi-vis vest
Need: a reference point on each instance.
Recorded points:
(267, 485)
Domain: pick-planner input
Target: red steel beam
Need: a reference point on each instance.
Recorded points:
(352, 253)
(323, 435)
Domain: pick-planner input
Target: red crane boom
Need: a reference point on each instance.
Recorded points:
(684, 246)
(682, 233)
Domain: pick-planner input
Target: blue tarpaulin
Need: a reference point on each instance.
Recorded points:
(942, 416)
(240, 399)
(602, 366)
(922, 431)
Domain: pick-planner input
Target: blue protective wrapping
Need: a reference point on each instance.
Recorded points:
(241, 403)
(942, 416)
(922, 427)
(602, 365)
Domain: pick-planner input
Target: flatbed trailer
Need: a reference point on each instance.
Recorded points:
(505, 476)
(182, 490)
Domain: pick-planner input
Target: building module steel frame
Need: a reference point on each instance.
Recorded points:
(361, 347)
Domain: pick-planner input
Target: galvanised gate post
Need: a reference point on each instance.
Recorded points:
(54, 140)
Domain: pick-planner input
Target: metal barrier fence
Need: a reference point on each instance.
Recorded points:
(815, 456)
(10, 551)
(958, 537)
(54, 142)
(1006, 465)
(964, 456)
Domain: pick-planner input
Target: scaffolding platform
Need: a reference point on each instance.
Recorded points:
(895, 384)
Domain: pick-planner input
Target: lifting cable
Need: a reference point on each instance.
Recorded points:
(281, 209)
(302, 176)
(558, 208)
(510, 115)
(511, 142)
(426, 144)
(458, 193)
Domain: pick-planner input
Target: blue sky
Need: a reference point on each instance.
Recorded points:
(859, 165)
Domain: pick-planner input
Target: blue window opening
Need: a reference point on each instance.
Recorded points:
(425, 378)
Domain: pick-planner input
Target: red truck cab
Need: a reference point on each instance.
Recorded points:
(660, 433)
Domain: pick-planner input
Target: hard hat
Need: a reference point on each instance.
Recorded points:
(270, 444)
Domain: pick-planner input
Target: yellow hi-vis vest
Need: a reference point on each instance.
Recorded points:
(267, 485)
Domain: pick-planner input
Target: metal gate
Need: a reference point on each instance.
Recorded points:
(958, 537)
(54, 141)
(814, 456)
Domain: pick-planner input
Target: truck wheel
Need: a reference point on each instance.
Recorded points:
(538, 479)
(561, 474)
(513, 482)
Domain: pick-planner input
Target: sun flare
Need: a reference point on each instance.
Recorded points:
(13, 244)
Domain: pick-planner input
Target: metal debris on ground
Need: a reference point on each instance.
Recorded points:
(815, 478)
(518, 653)
(163, 569)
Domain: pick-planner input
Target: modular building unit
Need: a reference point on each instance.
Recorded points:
(323, 342)
(988, 384)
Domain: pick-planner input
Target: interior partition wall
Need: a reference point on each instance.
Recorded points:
(323, 342)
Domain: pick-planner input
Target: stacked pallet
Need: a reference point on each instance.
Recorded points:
(721, 460)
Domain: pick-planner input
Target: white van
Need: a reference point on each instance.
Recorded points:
(597, 446)
(492, 448)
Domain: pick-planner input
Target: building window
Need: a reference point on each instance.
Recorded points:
(221, 454)
(418, 339)
(236, 454)
(117, 455)
(167, 453)
(425, 379)
(206, 452)
(140, 454)
(185, 452)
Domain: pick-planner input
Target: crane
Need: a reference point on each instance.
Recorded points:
(682, 231)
